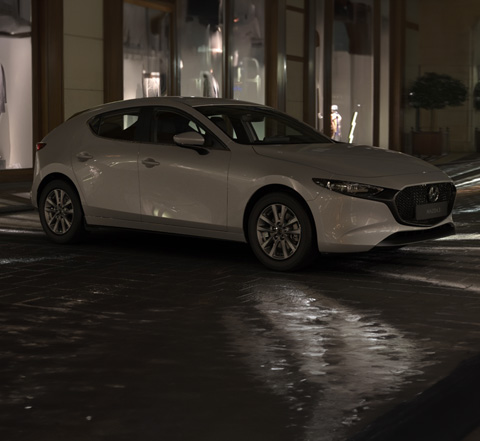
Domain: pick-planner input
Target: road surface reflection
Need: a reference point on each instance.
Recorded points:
(326, 359)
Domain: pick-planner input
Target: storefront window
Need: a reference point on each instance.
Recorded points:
(437, 53)
(247, 51)
(200, 47)
(15, 85)
(411, 67)
(476, 84)
(352, 71)
(146, 51)
(319, 65)
(384, 74)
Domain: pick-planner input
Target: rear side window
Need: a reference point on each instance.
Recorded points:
(119, 125)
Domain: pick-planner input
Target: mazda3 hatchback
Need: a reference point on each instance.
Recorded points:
(233, 170)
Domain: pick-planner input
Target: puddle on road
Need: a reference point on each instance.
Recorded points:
(327, 360)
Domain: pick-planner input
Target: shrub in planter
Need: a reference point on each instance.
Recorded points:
(434, 91)
(476, 96)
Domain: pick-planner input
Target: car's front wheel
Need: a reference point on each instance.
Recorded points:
(61, 212)
(280, 232)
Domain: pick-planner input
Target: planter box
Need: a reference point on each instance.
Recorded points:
(427, 143)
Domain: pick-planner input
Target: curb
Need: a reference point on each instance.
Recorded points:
(447, 411)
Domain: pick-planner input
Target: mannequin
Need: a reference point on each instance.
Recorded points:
(336, 123)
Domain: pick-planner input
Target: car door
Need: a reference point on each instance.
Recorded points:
(179, 186)
(106, 166)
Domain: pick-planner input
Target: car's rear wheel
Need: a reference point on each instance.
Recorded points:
(61, 212)
(280, 232)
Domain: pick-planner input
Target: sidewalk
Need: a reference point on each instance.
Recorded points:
(446, 411)
(15, 197)
(460, 167)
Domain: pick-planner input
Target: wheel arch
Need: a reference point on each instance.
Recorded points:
(53, 177)
(275, 188)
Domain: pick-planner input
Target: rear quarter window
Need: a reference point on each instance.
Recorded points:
(119, 125)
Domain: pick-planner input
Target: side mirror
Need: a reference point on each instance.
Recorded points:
(189, 139)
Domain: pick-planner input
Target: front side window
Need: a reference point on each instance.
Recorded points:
(119, 125)
(251, 125)
(224, 123)
(167, 124)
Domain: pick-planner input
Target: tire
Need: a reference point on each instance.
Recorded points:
(280, 233)
(61, 212)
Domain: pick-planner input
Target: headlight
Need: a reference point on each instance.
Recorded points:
(349, 188)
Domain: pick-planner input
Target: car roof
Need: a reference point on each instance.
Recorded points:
(174, 101)
(188, 100)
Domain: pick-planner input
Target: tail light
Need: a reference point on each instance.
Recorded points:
(41, 145)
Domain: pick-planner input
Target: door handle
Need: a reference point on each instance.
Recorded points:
(84, 156)
(150, 162)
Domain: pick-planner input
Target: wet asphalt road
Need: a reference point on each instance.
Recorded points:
(141, 336)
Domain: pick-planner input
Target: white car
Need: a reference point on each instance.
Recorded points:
(233, 170)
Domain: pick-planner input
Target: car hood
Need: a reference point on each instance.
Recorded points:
(348, 160)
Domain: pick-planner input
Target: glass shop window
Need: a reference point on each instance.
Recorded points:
(352, 72)
(15, 85)
(146, 51)
(247, 55)
(476, 80)
(202, 29)
(200, 45)
(319, 66)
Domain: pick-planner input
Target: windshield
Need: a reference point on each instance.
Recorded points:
(261, 126)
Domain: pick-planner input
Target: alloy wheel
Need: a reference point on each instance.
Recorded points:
(59, 211)
(279, 231)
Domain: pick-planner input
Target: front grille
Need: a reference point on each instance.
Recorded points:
(406, 202)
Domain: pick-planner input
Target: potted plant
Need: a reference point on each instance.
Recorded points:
(433, 91)
(476, 105)
(476, 96)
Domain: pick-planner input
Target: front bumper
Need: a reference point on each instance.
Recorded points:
(347, 224)
(407, 237)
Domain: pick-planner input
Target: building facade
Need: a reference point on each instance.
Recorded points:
(343, 66)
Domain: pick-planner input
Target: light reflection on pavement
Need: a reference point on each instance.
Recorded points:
(325, 359)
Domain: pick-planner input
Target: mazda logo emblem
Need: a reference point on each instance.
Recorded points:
(433, 193)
